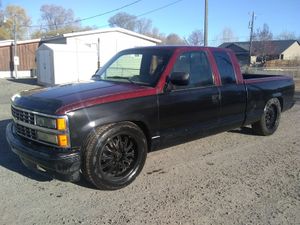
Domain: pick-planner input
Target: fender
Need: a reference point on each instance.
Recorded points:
(142, 111)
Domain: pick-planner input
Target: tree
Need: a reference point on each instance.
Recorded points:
(286, 35)
(123, 20)
(263, 34)
(17, 15)
(263, 47)
(228, 35)
(131, 22)
(143, 26)
(174, 39)
(195, 38)
(56, 18)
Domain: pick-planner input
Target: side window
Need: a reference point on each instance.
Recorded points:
(225, 67)
(197, 65)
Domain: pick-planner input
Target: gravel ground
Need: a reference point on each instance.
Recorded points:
(230, 178)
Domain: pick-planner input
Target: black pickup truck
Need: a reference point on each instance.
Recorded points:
(142, 99)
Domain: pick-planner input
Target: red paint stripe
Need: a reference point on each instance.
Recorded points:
(263, 79)
(106, 99)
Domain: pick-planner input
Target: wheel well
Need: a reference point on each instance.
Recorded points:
(281, 102)
(146, 131)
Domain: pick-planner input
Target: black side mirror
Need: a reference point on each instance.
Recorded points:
(180, 78)
(95, 76)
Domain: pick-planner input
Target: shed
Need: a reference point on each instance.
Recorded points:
(104, 43)
(58, 64)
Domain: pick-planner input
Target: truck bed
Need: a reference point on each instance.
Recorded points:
(254, 78)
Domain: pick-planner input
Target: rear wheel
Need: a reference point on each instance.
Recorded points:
(270, 118)
(113, 155)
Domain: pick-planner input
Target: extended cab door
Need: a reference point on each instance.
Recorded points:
(191, 109)
(233, 92)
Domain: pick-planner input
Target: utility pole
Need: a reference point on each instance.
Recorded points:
(205, 22)
(15, 59)
(251, 37)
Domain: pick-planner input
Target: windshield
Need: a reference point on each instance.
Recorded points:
(138, 66)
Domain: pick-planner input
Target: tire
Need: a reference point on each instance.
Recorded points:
(270, 118)
(114, 155)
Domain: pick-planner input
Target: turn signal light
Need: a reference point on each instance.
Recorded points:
(62, 140)
(61, 124)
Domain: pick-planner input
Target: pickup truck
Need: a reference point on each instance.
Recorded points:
(142, 99)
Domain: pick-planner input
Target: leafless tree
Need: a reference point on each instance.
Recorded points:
(263, 46)
(228, 35)
(286, 35)
(131, 22)
(174, 39)
(195, 38)
(56, 18)
(263, 34)
(143, 26)
(123, 20)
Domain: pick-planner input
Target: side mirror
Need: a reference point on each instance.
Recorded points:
(94, 77)
(180, 78)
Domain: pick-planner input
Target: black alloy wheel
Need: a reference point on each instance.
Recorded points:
(114, 155)
(270, 118)
(118, 156)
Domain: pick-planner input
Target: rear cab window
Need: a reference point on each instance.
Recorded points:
(225, 67)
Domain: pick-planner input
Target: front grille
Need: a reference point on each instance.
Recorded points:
(23, 116)
(26, 132)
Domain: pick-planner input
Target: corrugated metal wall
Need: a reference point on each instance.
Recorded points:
(26, 53)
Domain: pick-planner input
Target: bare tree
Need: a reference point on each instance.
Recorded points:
(143, 26)
(263, 46)
(195, 38)
(174, 39)
(56, 18)
(14, 15)
(286, 35)
(123, 20)
(263, 34)
(131, 22)
(228, 35)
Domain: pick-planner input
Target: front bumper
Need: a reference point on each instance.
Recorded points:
(43, 159)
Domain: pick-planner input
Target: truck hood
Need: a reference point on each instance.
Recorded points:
(65, 98)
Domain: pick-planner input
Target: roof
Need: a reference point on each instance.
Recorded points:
(10, 42)
(100, 31)
(278, 46)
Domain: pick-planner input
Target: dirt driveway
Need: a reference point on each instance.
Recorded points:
(229, 178)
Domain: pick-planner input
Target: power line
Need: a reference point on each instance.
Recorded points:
(159, 8)
(88, 18)
(151, 11)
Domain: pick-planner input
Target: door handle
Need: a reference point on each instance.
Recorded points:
(215, 98)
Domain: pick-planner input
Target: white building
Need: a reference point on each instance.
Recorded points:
(76, 56)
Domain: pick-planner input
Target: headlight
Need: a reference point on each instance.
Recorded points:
(59, 123)
(45, 122)
(56, 132)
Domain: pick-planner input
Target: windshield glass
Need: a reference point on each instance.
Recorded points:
(138, 66)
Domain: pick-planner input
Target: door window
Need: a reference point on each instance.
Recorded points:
(198, 67)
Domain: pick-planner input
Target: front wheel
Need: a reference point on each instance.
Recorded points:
(113, 155)
(270, 118)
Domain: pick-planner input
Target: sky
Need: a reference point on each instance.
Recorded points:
(184, 16)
